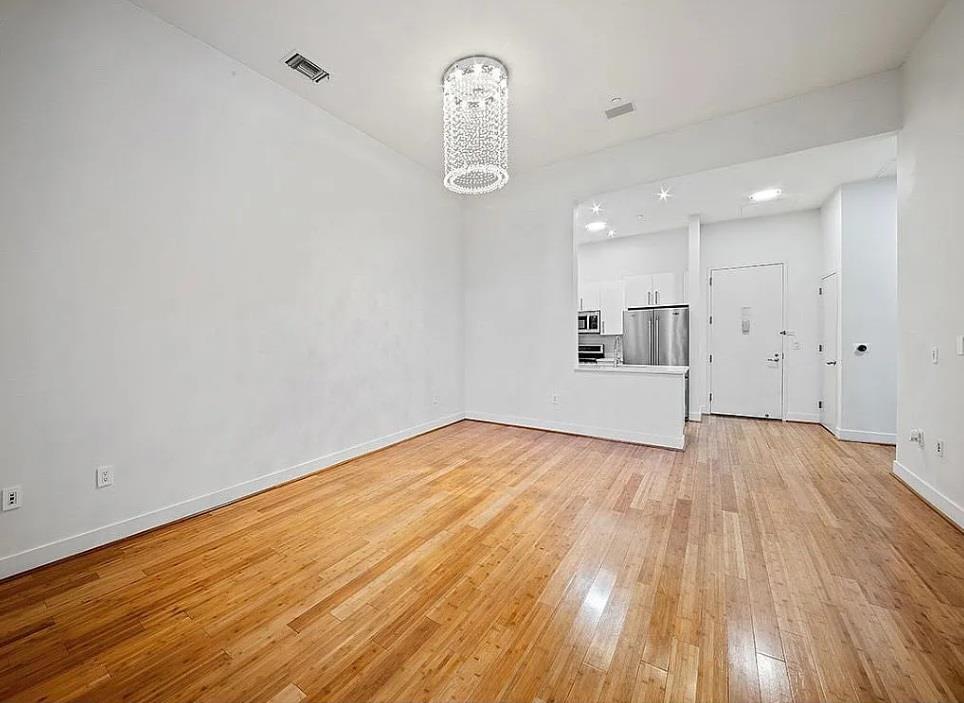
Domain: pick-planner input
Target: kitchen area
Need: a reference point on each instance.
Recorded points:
(633, 314)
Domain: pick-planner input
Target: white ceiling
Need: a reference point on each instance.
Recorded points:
(807, 179)
(680, 61)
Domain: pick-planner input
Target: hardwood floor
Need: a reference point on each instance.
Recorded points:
(768, 562)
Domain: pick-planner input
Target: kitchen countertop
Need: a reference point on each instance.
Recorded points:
(632, 368)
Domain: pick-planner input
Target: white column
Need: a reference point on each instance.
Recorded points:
(697, 322)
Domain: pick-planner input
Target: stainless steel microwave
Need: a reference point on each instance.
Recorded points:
(589, 322)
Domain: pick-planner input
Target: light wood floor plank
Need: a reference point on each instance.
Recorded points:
(767, 562)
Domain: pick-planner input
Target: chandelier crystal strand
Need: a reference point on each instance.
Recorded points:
(475, 125)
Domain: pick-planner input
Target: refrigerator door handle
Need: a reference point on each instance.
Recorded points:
(656, 344)
(649, 326)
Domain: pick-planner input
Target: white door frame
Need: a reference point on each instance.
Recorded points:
(783, 340)
(837, 390)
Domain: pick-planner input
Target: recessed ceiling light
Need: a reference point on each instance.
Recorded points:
(597, 226)
(595, 208)
(762, 196)
(664, 194)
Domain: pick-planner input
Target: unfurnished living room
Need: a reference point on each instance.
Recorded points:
(530, 352)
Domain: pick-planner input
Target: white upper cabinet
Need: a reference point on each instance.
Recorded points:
(639, 291)
(656, 289)
(612, 303)
(669, 288)
(590, 296)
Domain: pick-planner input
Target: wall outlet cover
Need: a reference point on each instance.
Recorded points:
(12, 498)
(105, 476)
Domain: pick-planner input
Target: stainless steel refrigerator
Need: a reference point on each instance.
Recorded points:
(657, 336)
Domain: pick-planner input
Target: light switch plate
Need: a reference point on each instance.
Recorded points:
(935, 355)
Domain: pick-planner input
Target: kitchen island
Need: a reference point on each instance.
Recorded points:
(640, 404)
(634, 368)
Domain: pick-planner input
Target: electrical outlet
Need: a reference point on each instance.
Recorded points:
(105, 476)
(12, 498)
(555, 399)
(939, 447)
(917, 436)
(935, 355)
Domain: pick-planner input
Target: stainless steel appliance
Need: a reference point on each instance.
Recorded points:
(588, 321)
(656, 336)
(591, 353)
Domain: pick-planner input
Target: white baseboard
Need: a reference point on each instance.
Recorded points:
(665, 441)
(69, 546)
(802, 417)
(937, 500)
(861, 436)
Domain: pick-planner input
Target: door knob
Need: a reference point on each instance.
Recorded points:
(775, 358)
(830, 363)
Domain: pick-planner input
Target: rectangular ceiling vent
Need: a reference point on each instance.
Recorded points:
(309, 69)
(623, 109)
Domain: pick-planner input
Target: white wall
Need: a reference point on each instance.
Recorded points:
(930, 257)
(868, 311)
(831, 216)
(205, 280)
(640, 254)
(795, 240)
(519, 270)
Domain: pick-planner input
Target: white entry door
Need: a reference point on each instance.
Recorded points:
(830, 345)
(746, 341)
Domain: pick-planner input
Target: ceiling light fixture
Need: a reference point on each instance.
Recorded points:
(597, 226)
(765, 195)
(596, 208)
(612, 233)
(664, 194)
(475, 125)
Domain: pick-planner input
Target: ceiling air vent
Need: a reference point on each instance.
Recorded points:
(623, 109)
(309, 69)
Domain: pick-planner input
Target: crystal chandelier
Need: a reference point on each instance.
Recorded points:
(475, 125)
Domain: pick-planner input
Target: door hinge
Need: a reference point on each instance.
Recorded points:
(711, 397)
(819, 291)
(711, 319)
(711, 358)
(820, 404)
(819, 347)
(711, 280)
